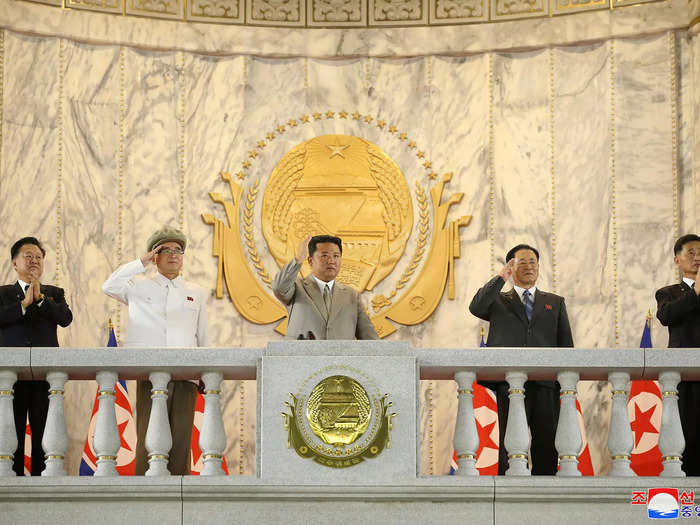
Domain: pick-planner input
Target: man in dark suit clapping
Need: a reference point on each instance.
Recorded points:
(29, 314)
(525, 316)
(678, 307)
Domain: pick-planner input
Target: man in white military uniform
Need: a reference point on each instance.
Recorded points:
(164, 310)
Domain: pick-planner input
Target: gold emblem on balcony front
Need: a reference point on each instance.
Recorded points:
(338, 423)
(344, 185)
(338, 410)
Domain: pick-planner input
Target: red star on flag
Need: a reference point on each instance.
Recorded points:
(642, 423)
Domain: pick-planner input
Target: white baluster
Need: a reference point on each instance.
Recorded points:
(159, 439)
(620, 438)
(212, 439)
(106, 440)
(568, 439)
(8, 433)
(55, 440)
(517, 439)
(671, 440)
(466, 440)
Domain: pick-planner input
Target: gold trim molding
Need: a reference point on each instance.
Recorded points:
(345, 13)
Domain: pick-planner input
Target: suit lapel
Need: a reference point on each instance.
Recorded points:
(315, 294)
(18, 290)
(339, 299)
(540, 301)
(515, 304)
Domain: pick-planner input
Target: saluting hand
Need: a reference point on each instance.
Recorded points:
(303, 250)
(507, 270)
(148, 258)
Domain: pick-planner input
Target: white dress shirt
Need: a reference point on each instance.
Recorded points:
(322, 284)
(521, 291)
(162, 312)
(688, 281)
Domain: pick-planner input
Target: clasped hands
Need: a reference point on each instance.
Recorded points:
(33, 293)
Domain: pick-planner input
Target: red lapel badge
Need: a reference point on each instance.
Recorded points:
(547, 306)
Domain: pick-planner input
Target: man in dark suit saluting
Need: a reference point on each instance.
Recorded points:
(525, 316)
(678, 307)
(29, 314)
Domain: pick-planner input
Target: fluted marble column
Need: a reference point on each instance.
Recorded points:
(671, 440)
(159, 438)
(55, 439)
(106, 440)
(8, 433)
(212, 438)
(517, 439)
(466, 440)
(620, 438)
(568, 439)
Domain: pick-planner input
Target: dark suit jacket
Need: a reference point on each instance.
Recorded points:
(508, 324)
(303, 299)
(678, 307)
(38, 326)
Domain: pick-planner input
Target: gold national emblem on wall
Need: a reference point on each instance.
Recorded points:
(338, 422)
(347, 186)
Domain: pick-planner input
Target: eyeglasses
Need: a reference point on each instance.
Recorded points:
(171, 251)
(30, 257)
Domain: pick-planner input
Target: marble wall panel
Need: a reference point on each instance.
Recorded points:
(686, 114)
(90, 178)
(522, 157)
(581, 173)
(29, 169)
(213, 107)
(645, 179)
(694, 44)
(339, 86)
(273, 96)
(460, 112)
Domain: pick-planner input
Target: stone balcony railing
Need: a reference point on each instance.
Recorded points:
(190, 499)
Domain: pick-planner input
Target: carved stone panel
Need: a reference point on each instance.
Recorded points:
(503, 9)
(276, 12)
(156, 8)
(337, 13)
(107, 6)
(399, 12)
(221, 11)
(458, 11)
(560, 7)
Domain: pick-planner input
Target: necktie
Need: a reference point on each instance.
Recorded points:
(327, 298)
(528, 304)
(26, 287)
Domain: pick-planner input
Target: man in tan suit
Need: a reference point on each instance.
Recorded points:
(318, 304)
